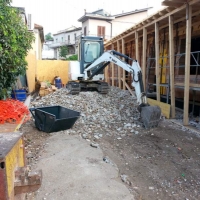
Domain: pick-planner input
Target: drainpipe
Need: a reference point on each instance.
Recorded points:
(110, 28)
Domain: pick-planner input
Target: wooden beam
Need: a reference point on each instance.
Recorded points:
(157, 61)
(172, 3)
(193, 2)
(169, 9)
(136, 46)
(123, 52)
(171, 12)
(165, 108)
(112, 66)
(119, 68)
(192, 85)
(156, 16)
(129, 89)
(144, 62)
(171, 61)
(187, 64)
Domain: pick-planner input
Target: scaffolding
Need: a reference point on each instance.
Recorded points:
(179, 70)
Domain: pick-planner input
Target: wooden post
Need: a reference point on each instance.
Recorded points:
(136, 46)
(123, 52)
(112, 66)
(119, 68)
(157, 60)
(144, 62)
(171, 61)
(187, 63)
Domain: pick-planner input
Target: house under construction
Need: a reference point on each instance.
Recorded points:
(167, 46)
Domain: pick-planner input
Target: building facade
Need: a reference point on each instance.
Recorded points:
(67, 37)
(101, 23)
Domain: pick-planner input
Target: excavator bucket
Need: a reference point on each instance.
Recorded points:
(150, 116)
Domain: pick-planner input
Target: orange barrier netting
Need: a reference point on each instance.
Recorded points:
(13, 111)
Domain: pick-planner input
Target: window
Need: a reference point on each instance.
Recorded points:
(68, 38)
(85, 30)
(62, 39)
(75, 36)
(91, 51)
(101, 31)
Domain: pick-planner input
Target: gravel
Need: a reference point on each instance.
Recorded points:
(112, 114)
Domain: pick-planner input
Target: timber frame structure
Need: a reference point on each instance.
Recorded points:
(167, 46)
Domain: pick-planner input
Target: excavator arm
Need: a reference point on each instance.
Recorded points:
(134, 69)
(150, 115)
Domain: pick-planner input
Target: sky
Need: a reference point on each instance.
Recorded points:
(56, 15)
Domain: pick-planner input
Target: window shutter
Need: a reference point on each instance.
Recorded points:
(103, 31)
(99, 31)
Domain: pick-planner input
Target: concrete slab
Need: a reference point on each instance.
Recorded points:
(72, 169)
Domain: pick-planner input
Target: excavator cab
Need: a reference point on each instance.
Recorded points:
(89, 49)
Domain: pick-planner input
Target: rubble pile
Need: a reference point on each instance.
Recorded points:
(112, 114)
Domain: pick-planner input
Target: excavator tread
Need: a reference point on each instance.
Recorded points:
(103, 88)
(73, 87)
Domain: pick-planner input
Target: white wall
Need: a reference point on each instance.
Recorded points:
(85, 24)
(58, 37)
(121, 24)
(156, 6)
(93, 24)
(48, 54)
(37, 45)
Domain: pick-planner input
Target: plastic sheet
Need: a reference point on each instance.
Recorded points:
(13, 111)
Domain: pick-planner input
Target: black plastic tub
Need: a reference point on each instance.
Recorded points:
(54, 118)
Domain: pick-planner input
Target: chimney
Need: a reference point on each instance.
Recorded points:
(85, 11)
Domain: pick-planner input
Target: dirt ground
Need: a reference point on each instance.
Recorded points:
(160, 163)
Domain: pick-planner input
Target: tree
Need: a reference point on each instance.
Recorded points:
(15, 42)
(48, 37)
(63, 51)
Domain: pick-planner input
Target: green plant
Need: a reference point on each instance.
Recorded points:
(63, 51)
(15, 42)
(73, 57)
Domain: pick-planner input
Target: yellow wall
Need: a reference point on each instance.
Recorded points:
(48, 69)
(15, 158)
(31, 70)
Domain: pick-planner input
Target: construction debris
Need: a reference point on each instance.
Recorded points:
(46, 88)
(115, 113)
(160, 163)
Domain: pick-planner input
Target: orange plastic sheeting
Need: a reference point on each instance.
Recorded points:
(13, 111)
